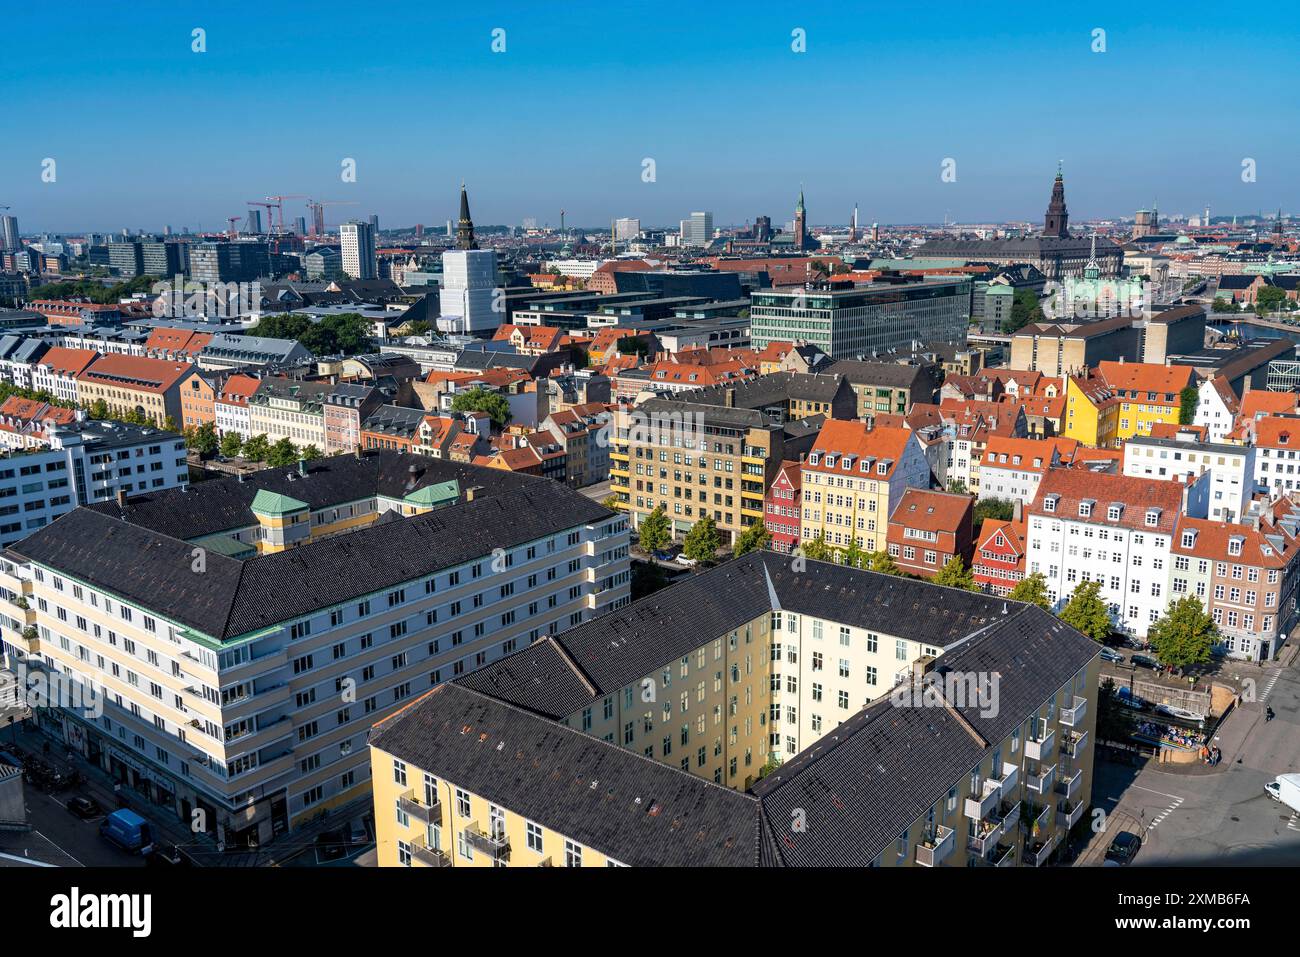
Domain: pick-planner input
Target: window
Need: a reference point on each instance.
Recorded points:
(572, 854)
(534, 835)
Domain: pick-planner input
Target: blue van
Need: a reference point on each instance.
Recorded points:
(127, 830)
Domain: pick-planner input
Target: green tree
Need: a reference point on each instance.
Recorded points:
(656, 535)
(1269, 299)
(1184, 635)
(703, 540)
(999, 508)
(955, 574)
(202, 439)
(632, 345)
(1114, 721)
(817, 550)
(957, 487)
(881, 562)
(98, 409)
(752, 539)
(1224, 305)
(1032, 589)
(1025, 309)
(1087, 612)
(257, 448)
(231, 443)
(284, 452)
(853, 555)
(610, 502)
(479, 399)
(1187, 400)
(310, 453)
(169, 424)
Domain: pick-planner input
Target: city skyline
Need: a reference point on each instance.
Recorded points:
(169, 136)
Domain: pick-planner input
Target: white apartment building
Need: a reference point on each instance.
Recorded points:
(1277, 455)
(84, 464)
(1216, 408)
(1115, 529)
(468, 298)
(1231, 468)
(1012, 468)
(247, 691)
(358, 250)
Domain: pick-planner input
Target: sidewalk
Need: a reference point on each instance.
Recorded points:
(168, 828)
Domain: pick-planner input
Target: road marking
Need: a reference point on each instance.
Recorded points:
(1268, 688)
(62, 849)
(1163, 814)
(1294, 823)
(1173, 797)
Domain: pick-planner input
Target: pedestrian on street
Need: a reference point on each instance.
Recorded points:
(1268, 714)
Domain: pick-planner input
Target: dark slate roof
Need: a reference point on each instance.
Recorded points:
(219, 505)
(630, 808)
(775, 388)
(612, 651)
(234, 597)
(861, 785)
(894, 375)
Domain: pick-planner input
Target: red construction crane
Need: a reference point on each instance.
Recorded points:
(279, 205)
(231, 231)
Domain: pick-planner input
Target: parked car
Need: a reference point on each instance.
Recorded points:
(688, 562)
(84, 807)
(1123, 848)
(1144, 661)
(1111, 655)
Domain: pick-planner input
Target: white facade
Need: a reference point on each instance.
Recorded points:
(1212, 412)
(84, 466)
(577, 268)
(57, 383)
(467, 300)
(1276, 469)
(232, 417)
(698, 230)
(1231, 468)
(358, 250)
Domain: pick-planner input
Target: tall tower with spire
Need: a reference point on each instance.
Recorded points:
(1056, 222)
(800, 224)
(465, 228)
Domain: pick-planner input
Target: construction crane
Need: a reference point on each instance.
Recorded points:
(231, 231)
(269, 207)
(317, 209)
(279, 206)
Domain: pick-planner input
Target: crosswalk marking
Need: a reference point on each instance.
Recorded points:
(1164, 814)
(1294, 823)
(1268, 688)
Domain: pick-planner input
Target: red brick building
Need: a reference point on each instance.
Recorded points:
(781, 507)
(928, 528)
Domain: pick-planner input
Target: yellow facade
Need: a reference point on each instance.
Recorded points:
(1137, 418)
(1089, 420)
(423, 821)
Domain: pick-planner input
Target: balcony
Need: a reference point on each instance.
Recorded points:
(1009, 781)
(1040, 780)
(933, 853)
(1037, 817)
(425, 813)
(1069, 786)
(496, 846)
(1037, 852)
(985, 837)
(428, 856)
(977, 809)
(1074, 743)
(1042, 747)
(1004, 855)
(1010, 811)
(1074, 715)
(1068, 813)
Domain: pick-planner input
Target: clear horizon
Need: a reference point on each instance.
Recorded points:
(144, 132)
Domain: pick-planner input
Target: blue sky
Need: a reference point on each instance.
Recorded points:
(146, 132)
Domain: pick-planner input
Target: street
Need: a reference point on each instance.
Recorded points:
(1201, 816)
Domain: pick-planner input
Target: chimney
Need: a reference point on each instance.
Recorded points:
(921, 667)
(1017, 511)
(302, 467)
(121, 498)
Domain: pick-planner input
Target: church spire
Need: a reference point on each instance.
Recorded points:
(1056, 222)
(465, 228)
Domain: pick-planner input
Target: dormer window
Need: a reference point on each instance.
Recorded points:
(815, 458)
(1153, 517)
(1234, 544)
(831, 459)
(1049, 503)
(1085, 508)
(1283, 438)
(865, 467)
(882, 468)
(1189, 539)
